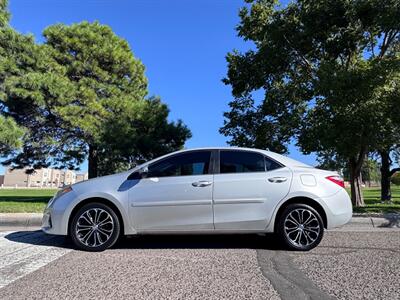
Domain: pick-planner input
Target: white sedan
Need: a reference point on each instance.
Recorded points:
(208, 190)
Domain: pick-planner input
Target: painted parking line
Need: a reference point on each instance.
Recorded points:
(24, 252)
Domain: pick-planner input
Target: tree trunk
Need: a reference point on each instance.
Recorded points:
(355, 181)
(386, 194)
(93, 172)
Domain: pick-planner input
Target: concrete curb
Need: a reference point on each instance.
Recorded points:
(388, 221)
(21, 219)
(377, 215)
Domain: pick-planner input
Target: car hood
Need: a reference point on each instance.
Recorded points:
(103, 183)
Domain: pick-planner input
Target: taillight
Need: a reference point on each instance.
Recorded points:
(336, 179)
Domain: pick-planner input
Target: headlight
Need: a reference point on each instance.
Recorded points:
(63, 191)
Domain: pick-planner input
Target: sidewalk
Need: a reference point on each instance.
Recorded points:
(358, 223)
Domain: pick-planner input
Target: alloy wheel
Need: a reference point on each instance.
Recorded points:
(94, 227)
(301, 227)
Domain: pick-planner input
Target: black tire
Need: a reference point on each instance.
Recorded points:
(106, 232)
(302, 236)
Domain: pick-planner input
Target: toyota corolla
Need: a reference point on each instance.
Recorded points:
(208, 190)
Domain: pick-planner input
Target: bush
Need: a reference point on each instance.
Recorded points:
(396, 178)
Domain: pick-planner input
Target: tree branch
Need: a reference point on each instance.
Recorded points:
(387, 40)
(348, 61)
(383, 46)
(360, 159)
(308, 65)
(372, 44)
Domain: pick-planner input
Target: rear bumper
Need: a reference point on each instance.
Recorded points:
(339, 209)
(339, 220)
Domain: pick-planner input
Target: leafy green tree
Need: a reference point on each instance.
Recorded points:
(82, 94)
(4, 15)
(329, 73)
(15, 59)
(140, 135)
(370, 171)
(10, 136)
(331, 161)
(107, 80)
(390, 136)
(260, 126)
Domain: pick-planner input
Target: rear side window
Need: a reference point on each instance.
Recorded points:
(185, 164)
(271, 164)
(241, 162)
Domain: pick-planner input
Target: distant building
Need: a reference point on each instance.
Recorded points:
(81, 177)
(41, 178)
(1, 179)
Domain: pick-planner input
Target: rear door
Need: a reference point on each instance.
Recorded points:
(247, 187)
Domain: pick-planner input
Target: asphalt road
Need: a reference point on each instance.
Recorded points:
(355, 265)
(348, 264)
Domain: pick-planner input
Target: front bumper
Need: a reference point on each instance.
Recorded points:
(52, 223)
(56, 215)
(46, 221)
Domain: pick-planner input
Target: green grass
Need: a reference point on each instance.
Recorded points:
(372, 198)
(24, 200)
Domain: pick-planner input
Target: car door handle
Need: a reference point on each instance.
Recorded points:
(277, 179)
(202, 183)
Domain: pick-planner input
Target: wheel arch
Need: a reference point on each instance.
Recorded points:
(302, 200)
(104, 201)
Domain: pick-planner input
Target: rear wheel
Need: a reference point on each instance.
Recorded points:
(300, 227)
(95, 227)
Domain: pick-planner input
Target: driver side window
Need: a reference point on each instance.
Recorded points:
(185, 164)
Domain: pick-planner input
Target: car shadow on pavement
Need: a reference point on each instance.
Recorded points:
(201, 241)
(393, 220)
(38, 238)
(211, 241)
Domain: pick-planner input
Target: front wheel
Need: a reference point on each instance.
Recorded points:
(300, 227)
(95, 227)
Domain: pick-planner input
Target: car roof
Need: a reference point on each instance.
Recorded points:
(278, 157)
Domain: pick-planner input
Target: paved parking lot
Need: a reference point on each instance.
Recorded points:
(349, 264)
(355, 265)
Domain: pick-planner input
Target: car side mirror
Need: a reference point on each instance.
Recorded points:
(144, 172)
(139, 174)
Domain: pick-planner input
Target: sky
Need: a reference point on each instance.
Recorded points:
(182, 43)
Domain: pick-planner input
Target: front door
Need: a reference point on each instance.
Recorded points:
(176, 194)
